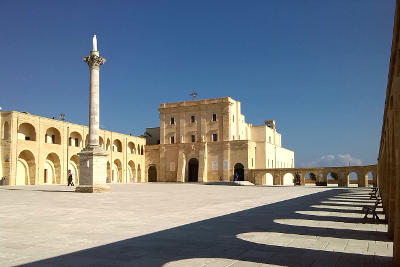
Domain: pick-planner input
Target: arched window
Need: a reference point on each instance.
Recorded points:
(26, 131)
(53, 136)
(117, 145)
(6, 131)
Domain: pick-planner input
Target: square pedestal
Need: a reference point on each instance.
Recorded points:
(92, 171)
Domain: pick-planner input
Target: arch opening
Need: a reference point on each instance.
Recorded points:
(152, 174)
(108, 145)
(132, 171)
(370, 178)
(6, 131)
(75, 139)
(288, 179)
(27, 132)
(117, 146)
(131, 148)
(101, 142)
(52, 169)
(269, 179)
(310, 178)
(73, 166)
(116, 174)
(26, 168)
(193, 166)
(52, 136)
(333, 178)
(353, 178)
(108, 172)
(238, 172)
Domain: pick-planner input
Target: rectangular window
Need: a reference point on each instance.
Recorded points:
(172, 121)
(172, 139)
(27, 138)
(214, 137)
(172, 166)
(214, 117)
(192, 119)
(214, 165)
(193, 138)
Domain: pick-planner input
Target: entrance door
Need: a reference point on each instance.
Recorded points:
(152, 176)
(239, 169)
(193, 170)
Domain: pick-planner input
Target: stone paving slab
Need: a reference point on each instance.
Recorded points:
(169, 224)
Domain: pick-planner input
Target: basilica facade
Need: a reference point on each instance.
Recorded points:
(209, 140)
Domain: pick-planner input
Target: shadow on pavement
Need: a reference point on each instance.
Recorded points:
(216, 238)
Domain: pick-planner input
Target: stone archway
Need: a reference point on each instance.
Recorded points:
(6, 131)
(116, 172)
(288, 179)
(108, 172)
(132, 171)
(52, 169)
(239, 170)
(26, 131)
(73, 166)
(26, 168)
(269, 179)
(193, 167)
(152, 174)
(332, 178)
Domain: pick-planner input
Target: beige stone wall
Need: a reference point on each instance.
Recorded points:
(53, 146)
(237, 142)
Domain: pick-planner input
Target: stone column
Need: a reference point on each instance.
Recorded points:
(203, 169)
(93, 159)
(181, 169)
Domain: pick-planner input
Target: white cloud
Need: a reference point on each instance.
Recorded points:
(334, 161)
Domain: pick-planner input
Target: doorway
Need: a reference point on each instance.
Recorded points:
(239, 170)
(152, 174)
(193, 170)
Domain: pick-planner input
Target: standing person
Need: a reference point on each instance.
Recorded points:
(235, 176)
(70, 178)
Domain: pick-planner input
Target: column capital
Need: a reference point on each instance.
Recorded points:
(94, 61)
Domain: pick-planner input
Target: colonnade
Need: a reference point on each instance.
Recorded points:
(365, 175)
(389, 158)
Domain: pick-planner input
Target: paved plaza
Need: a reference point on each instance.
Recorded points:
(158, 224)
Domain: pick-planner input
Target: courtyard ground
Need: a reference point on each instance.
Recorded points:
(159, 224)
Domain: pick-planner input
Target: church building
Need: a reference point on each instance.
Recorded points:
(209, 140)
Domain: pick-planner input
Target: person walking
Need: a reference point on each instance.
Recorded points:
(70, 182)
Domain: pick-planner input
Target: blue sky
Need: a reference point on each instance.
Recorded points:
(318, 67)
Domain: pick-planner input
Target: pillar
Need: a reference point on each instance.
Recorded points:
(93, 159)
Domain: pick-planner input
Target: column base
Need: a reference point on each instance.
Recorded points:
(92, 188)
